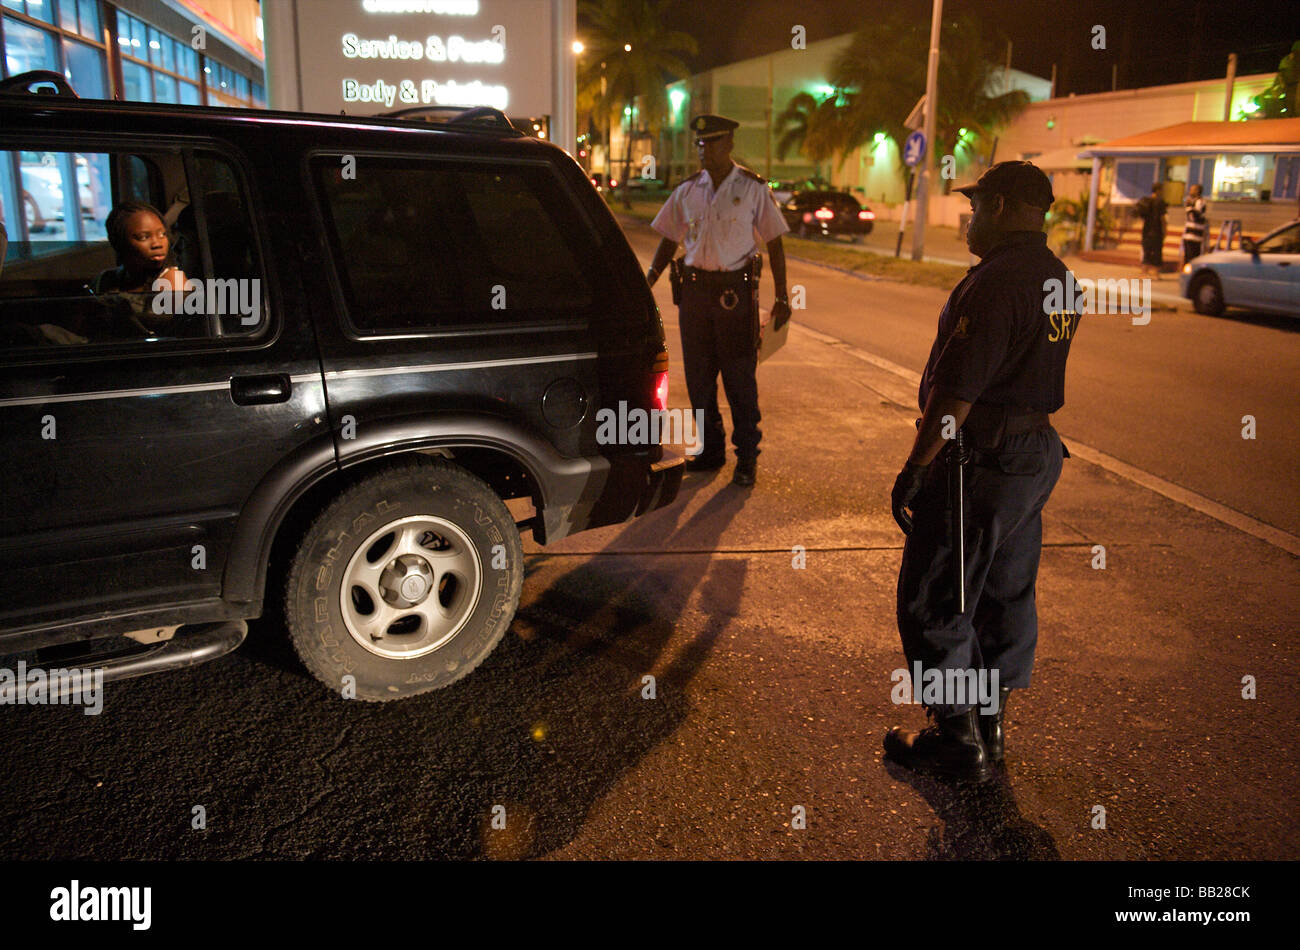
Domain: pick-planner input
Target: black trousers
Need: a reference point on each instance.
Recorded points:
(1005, 495)
(717, 340)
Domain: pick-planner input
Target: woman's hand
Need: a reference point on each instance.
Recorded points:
(173, 275)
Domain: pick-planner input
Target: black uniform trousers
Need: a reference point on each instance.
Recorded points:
(1005, 494)
(717, 340)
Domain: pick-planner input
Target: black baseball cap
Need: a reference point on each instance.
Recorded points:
(1023, 181)
(709, 126)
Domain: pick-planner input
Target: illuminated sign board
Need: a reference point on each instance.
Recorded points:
(370, 56)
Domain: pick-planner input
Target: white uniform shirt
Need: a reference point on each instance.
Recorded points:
(720, 229)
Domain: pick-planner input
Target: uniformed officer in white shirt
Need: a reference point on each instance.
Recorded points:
(721, 214)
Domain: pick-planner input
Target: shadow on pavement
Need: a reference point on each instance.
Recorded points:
(1258, 318)
(284, 768)
(980, 822)
(590, 637)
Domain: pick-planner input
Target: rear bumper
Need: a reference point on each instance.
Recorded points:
(847, 226)
(611, 491)
(662, 482)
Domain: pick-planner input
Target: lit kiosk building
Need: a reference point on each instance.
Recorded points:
(369, 57)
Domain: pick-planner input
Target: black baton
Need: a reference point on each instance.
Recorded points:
(958, 456)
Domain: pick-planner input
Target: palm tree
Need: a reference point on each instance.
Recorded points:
(805, 126)
(628, 45)
(881, 74)
(1279, 100)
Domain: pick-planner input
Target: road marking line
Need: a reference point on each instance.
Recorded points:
(1230, 516)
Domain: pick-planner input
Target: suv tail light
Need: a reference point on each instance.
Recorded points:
(865, 215)
(660, 372)
(824, 214)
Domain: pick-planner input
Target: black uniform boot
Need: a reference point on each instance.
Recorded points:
(746, 470)
(991, 727)
(951, 747)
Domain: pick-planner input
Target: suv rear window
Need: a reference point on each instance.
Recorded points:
(423, 245)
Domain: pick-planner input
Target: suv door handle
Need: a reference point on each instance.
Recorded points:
(259, 390)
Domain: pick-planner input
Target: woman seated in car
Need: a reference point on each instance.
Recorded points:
(145, 271)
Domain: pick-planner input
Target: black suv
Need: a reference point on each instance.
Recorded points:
(386, 331)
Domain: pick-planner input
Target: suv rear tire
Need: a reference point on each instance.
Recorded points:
(406, 581)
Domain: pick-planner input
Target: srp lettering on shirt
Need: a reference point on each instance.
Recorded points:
(1063, 323)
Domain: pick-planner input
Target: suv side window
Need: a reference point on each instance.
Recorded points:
(433, 245)
(62, 282)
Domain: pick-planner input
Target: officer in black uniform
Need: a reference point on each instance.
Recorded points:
(717, 215)
(997, 368)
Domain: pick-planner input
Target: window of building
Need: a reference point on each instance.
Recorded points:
(155, 67)
(1286, 178)
(1241, 176)
(66, 36)
(58, 35)
(1200, 171)
(64, 282)
(1133, 180)
(423, 246)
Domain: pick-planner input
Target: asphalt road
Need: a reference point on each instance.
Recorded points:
(772, 679)
(1167, 397)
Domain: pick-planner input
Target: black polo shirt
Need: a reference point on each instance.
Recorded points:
(997, 344)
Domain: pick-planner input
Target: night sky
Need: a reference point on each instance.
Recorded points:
(1167, 41)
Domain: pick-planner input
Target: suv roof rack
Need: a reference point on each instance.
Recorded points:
(30, 83)
(479, 115)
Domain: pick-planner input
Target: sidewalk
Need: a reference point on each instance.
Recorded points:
(944, 247)
(779, 672)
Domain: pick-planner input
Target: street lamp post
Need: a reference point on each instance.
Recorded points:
(927, 162)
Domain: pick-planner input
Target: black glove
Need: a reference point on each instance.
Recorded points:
(906, 487)
(780, 314)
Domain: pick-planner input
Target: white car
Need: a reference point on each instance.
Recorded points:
(1263, 275)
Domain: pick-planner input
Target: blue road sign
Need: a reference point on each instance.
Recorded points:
(914, 149)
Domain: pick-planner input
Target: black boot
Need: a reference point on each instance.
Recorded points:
(991, 727)
(746, 471)
(952, 747)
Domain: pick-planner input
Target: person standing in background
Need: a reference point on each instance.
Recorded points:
(1194, 229)
(1152, 210)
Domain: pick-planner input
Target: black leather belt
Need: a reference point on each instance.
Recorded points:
(989, 425)
(716, 276)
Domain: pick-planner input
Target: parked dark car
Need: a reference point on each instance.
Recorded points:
(827, 212)
(427, 319)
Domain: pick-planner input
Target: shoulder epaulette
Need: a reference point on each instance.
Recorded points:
(688, 179)
(750, 173)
